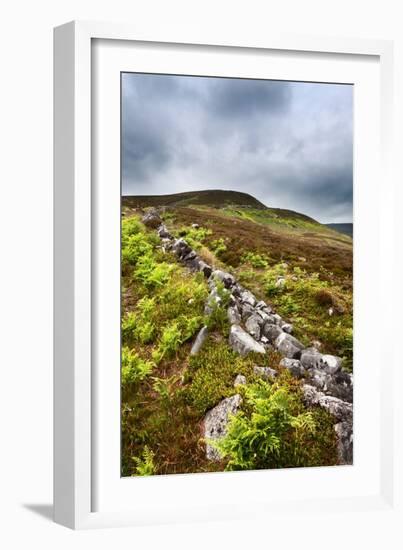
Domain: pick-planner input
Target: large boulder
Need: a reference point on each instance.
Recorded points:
(253, 324)
(216, 422)
(200, 339)
(288, 345)
(242, 342)
(152, 219)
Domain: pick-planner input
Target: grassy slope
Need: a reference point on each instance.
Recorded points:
(163, 411)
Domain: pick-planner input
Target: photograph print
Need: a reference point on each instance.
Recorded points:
(236, 274)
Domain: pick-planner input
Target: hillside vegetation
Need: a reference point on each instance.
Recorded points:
(300, 267)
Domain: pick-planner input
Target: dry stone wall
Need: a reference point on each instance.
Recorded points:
(256, 327)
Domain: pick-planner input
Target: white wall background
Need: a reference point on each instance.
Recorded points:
(26, 266)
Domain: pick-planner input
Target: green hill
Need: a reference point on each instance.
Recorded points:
(216, 198)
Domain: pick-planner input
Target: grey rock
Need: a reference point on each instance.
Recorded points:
(263, 315)
(288, 345)
(246, 311)
(163, 232)
(331, 364)
(341, 386)
(181, 247)
(200, 339)
(266, 373)
(344, 433)
(248, 298)
(191, 256)
(341, 410)
(287, 327)
(294, 366)
(277, 319)
(242, 342)
(264, 340)
(195, 225)
(226, 278)
(261, 304)
(234, 316)
(152, 219)
(311, 358)
(271, 331)
(205, 268)
(240, 380)
(216, 423)
(253, 325)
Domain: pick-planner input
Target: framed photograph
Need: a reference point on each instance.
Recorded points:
(219, 235)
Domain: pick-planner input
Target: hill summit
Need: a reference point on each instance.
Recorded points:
(210, 197)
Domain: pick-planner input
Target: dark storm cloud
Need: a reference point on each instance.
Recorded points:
(288, 144)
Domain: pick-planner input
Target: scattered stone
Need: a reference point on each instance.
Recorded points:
(271, 331)
(216, 422)
(289, 346)
(294, 366)
(240, 380)
(341, 410)
(200, 339)
(195, 225)
(242, 342)
(263, 315)
(280, 283)
(253, 325)
(261, 304)
(330, 311)
(264, 340)
(266, 373)
(152, 219)
(344, 432)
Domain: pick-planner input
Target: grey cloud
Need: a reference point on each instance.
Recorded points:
(288, 144)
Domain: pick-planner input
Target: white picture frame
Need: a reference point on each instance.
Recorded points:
(78, 208)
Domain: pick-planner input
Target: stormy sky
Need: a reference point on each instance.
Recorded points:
(289, 144)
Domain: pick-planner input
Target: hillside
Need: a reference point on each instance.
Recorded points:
(172, 304)
(214, 197)
(345, 228)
